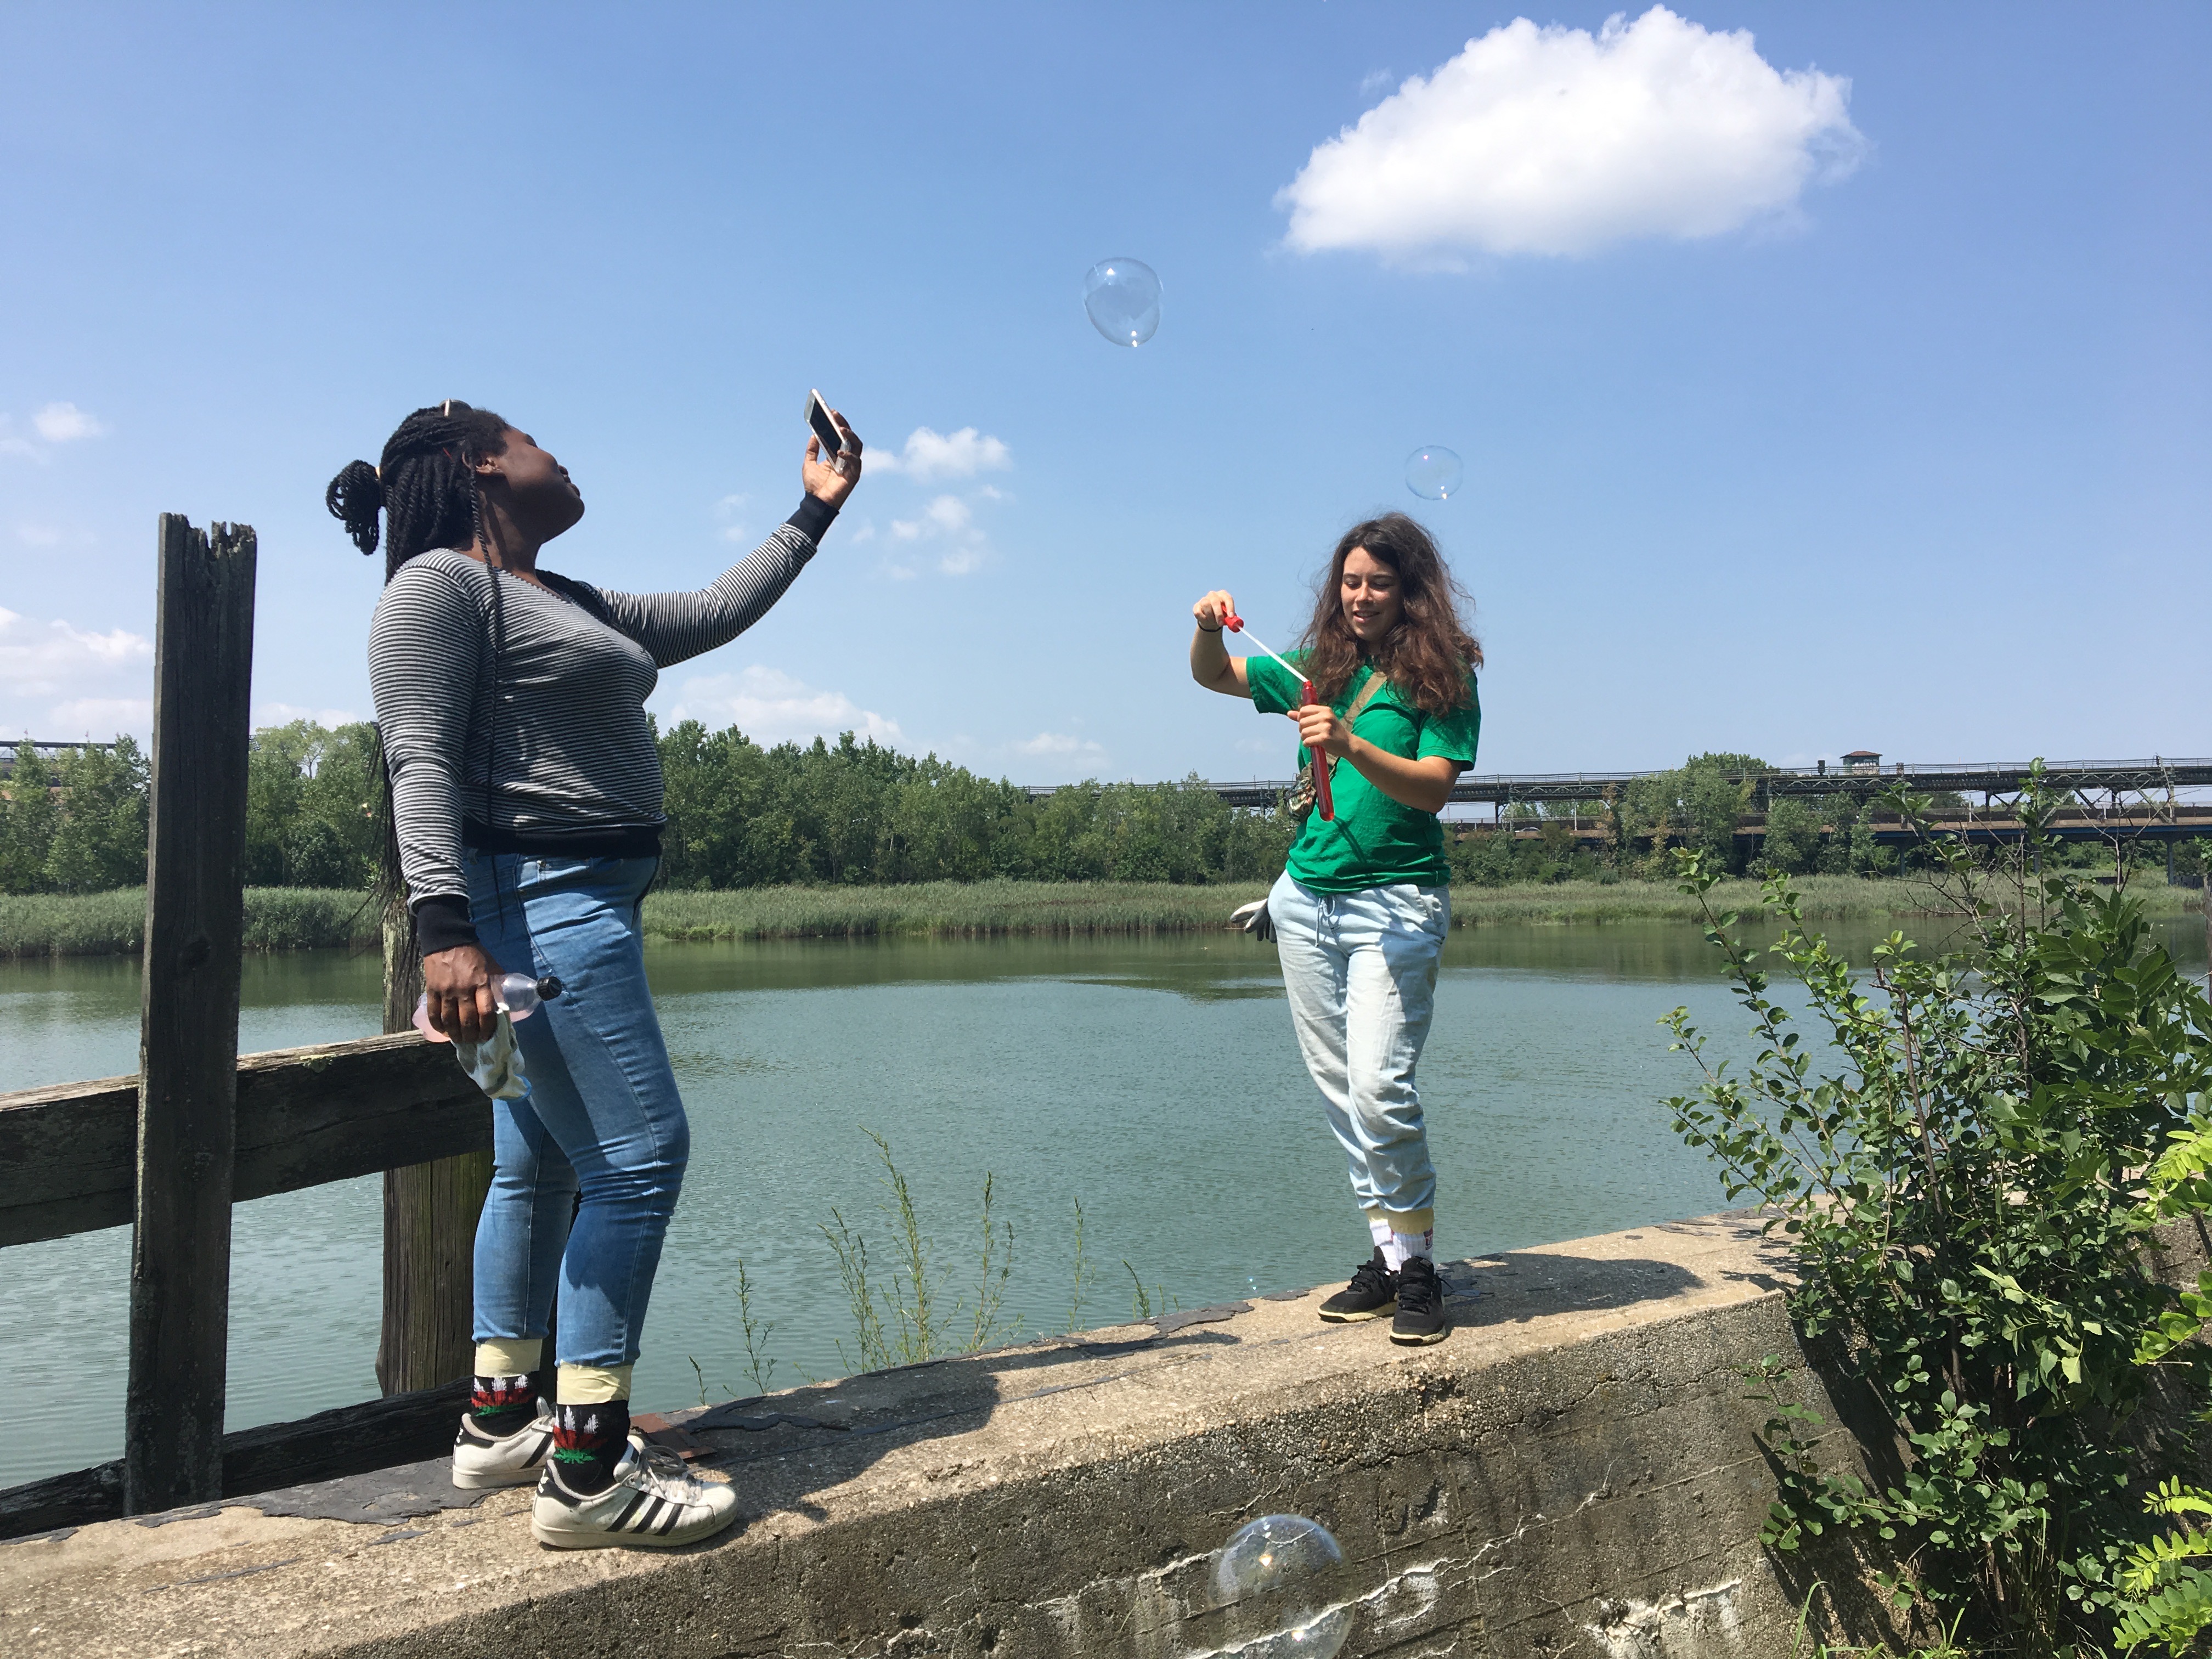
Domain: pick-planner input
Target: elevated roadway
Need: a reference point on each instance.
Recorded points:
(2159, 776)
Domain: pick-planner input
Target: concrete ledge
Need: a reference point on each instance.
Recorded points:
(1574, 1469)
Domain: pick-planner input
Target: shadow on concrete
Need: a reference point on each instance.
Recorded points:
(1516, 1286)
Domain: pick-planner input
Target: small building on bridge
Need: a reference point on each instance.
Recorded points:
(1863, 760)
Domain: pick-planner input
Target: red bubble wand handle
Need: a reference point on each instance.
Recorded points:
(1323, 804)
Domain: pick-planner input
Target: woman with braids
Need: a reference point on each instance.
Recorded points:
(1364, 904)
(526, 797)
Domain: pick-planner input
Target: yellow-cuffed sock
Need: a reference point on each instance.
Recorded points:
(513, 1356)
(587, 1385)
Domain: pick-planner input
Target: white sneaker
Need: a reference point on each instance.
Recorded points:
(511, 1459)
(655, 1502)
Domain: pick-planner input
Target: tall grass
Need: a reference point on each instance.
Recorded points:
(904, 1320)
(114, 923)
(980, 907)
(305, 918)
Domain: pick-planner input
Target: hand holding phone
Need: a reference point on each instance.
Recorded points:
(832, 465)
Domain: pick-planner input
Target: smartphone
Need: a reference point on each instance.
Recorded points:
(825, 428)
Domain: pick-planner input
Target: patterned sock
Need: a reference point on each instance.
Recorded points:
(1405, 1245)
(501, 1405)
(588, 1441)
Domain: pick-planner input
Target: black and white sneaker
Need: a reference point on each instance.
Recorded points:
(655, 1502)
(503, 1459)
(1372, 1294)
(1421, 1318)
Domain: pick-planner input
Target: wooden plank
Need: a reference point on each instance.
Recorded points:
(327, 1112)
(430, 1214)
(402, 1428)
(188, 1025)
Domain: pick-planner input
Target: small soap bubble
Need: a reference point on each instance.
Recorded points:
(1122, 297)
(1433, 472)
(1277, 1579)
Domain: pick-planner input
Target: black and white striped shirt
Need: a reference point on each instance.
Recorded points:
(568, 747)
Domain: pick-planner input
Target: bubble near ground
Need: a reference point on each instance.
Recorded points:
(1123, 299)
(1277, 1580)
(1434, 473)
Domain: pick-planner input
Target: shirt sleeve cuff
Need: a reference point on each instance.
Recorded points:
(813, 518)
(442, 922)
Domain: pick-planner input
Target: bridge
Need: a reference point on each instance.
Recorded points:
(2158, 776)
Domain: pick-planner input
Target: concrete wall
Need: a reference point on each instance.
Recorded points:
(1574, 1471)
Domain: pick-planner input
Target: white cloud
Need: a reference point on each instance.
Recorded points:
(1058, 745)
(770, 707)
(1555, 141)
(42, 658)
(726, 513)
(283, 714)
(67, 680)
(56, 424)
(1373, 82)
(61, 423)
(99, 718)
(930, 456)
(950, 519)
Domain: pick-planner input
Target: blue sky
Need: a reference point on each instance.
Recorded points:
(1877, 417)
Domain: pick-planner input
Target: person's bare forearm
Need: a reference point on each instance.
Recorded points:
(1424, 785)
(1209, 660)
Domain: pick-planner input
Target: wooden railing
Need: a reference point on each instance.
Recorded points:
(170, 1151)
(69, 1154)
(68, 1160)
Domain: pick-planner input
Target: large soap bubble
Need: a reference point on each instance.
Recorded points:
(1278, 1579)
(1433, 472)
(1123, 299)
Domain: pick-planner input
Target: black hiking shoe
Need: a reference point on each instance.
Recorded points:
(1372, 1294)
(1420, 1317)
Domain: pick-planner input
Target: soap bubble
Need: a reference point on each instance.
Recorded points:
(1433, 472)
(1278, 1577)
(1123, 299)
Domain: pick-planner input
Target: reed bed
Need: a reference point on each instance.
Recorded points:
(304, 917)
(944, 908)
(114, 923)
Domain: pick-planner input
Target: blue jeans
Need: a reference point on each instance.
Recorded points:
(1361, 971)
(602, 1115)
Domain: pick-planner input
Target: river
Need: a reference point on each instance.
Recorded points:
(1151, 1079)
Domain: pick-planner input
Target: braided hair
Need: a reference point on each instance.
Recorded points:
(425, 483)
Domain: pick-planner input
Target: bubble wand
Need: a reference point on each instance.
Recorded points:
(1321, 763)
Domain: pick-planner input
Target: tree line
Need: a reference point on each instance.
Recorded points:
(745, 814)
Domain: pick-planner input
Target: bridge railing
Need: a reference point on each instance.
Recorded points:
(2160, 775)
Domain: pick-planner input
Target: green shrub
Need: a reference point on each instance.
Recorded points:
(1960, 1161)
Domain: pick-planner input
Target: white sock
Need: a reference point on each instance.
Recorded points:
(1379, 1231)
(1403, 1245)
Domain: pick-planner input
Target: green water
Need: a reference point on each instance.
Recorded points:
(1153, 1079)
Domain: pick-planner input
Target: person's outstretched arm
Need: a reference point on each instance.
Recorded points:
(676, 626)
(1211, 665)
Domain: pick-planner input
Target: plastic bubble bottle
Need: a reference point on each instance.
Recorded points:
(519, 995)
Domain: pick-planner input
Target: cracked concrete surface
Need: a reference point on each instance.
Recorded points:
(1575, 1471)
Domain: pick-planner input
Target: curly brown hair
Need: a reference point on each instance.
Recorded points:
(1429, 654)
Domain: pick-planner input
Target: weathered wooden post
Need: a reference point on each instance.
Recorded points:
(188, 1026)
(430, 1210)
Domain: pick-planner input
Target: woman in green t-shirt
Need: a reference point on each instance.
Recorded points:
(1364, 900)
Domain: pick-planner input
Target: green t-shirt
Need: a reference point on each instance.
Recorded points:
(1373, 841)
